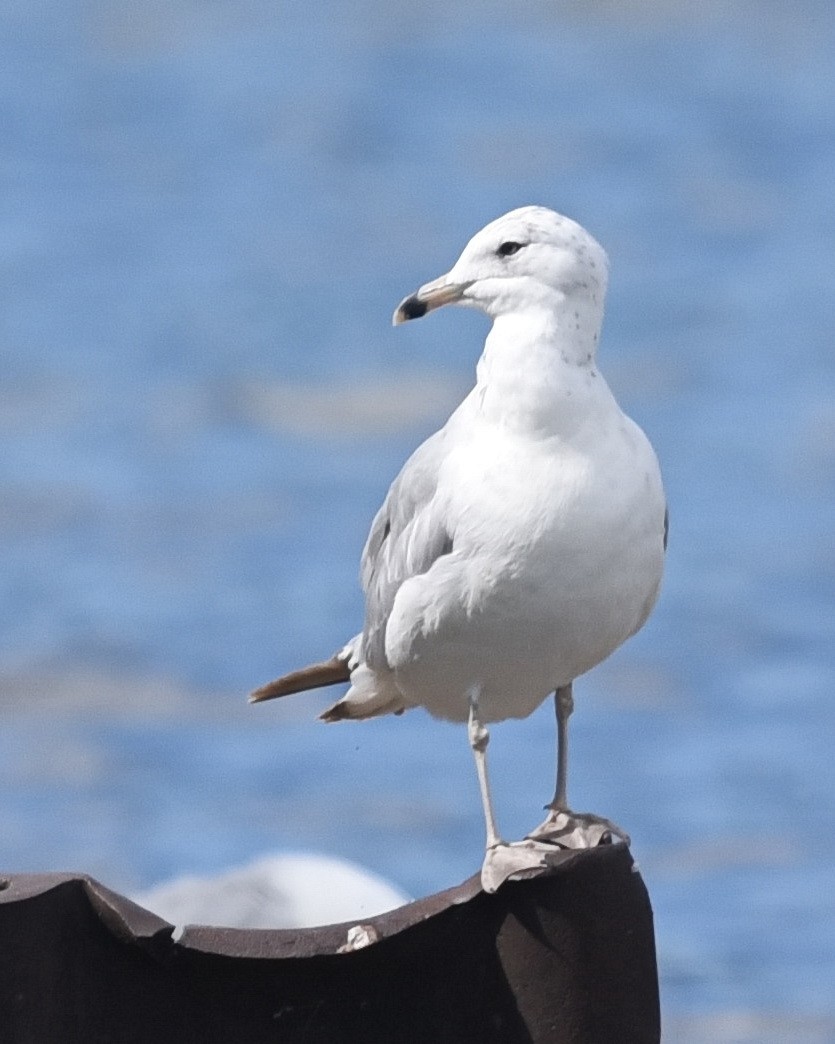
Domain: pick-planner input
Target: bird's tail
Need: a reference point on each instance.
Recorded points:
(317, 675)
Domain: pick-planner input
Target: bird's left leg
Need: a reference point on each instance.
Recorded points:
(562, 826)
(501, 860)
(564, 704)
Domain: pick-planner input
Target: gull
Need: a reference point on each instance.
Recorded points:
(524, 541)
(283, 890)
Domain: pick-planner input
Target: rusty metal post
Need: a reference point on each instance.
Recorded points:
(568, 956)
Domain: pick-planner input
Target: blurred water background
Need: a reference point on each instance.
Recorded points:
(208, 212)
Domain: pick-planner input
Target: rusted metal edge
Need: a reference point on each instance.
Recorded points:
(133, 924)
(127, 921)
(566, 957)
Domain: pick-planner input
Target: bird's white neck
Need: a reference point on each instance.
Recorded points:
(538, 373)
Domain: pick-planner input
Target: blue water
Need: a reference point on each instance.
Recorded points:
(208, 213)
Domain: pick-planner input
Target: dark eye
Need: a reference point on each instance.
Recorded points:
(506, 249)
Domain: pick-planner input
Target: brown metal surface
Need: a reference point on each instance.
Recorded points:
(565, 957)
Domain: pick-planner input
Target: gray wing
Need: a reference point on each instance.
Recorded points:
(407, 536)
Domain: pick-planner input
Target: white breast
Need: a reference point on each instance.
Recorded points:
(557, 558)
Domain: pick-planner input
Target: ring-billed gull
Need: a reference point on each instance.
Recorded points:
(523, 542)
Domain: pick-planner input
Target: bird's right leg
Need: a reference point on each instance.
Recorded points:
(479, 738)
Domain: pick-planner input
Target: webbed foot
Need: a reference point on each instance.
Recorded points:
(567, 829)
(517, 859)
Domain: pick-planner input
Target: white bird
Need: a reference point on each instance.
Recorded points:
(523, 542)
(287, 890)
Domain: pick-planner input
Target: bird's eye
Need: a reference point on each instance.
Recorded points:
(506, 249)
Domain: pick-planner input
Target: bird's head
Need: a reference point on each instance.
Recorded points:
(529, 258)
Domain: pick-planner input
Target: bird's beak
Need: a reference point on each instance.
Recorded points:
(430, 296)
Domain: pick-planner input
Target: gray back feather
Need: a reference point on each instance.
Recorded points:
(407, 536)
